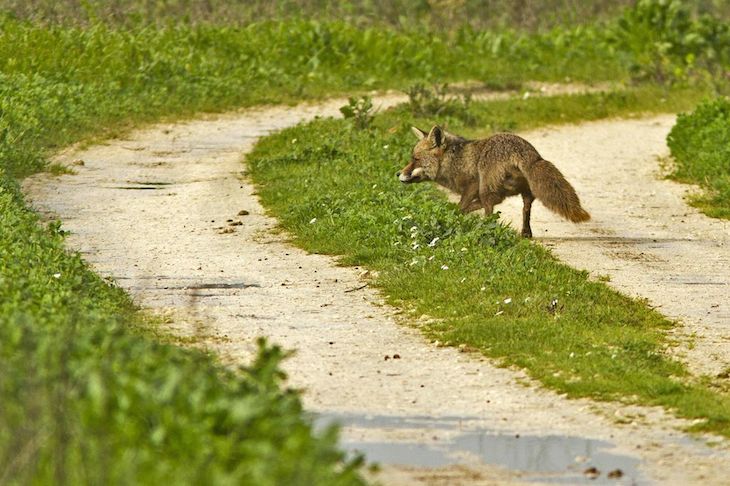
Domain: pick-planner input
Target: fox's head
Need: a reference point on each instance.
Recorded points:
(426, 156)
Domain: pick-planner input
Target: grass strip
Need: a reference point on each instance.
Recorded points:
(333, 188)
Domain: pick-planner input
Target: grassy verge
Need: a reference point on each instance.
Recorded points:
(700, 145)
(333, 188)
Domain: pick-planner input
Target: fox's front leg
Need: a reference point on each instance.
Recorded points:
(470, 199)
(473, 206)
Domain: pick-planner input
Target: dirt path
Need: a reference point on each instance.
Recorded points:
(152, 212)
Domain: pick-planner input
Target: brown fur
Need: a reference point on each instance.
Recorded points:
(485, 172)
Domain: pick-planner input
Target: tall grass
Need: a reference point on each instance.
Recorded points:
(528, 15)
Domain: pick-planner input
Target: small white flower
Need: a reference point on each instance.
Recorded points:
(508, 300)
(386, 146)
(430, 258)
(434, 241)
(499, 313)
(464, 249)
(407, 216)
(416, 246)
(444, 267)
(526, 95)
(56, 275)
(293, 140)
(374, 186)
(413, 262)
(414, 229)
(462, 280)
(313, 220)
(571, 355)
(483, 289)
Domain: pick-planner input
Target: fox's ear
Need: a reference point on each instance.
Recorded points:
(436, 136)
(420, 134)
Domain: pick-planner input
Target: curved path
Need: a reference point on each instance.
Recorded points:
(167, 213)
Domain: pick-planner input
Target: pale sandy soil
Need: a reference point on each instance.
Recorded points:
(152, 212)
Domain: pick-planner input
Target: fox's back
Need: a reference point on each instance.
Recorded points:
(504, 148)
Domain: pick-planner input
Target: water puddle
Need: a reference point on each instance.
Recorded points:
(447, 441)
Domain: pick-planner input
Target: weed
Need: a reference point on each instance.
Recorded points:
(360, 111)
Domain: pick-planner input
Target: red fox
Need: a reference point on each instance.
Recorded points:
(485, 172)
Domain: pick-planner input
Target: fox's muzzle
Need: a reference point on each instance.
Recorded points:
(410, 174)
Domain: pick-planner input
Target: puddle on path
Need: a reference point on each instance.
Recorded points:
(547, 459)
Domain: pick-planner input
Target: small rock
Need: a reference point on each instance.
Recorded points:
(386, 357)
(78, 162)
(615, 474)
(396, 356)
(235, 223)
(591, 473)
(243, 212)
(226, 231)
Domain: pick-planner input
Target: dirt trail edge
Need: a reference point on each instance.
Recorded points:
(167, 213)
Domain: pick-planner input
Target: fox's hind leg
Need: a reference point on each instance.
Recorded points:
(527, 199)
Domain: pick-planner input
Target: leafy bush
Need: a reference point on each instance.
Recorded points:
(700, 145)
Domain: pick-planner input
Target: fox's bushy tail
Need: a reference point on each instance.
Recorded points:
(550, 187)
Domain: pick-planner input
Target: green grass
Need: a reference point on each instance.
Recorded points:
(700, 145)
(485, 287)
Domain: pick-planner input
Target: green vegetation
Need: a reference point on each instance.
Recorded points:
(485, 287)
(700, 145)
(86, 397)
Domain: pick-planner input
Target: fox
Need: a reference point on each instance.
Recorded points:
(486, 171)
